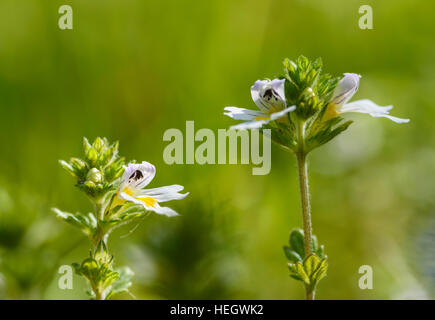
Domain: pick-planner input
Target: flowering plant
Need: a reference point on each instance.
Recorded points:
(118, 194)
(303, 110)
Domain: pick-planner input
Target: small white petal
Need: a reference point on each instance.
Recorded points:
(164, 210)
(395, 119)
(282, 113)
(171, 188)
(249, 125)
(170, 196)
(365, 106)
(346, 88)
(162, 194)
(242, 113)
(371, 108)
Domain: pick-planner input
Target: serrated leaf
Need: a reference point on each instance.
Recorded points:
(321, 271)
(311, 263)
(123, 283)
(300, 271)
(86, 223)
(315, 268)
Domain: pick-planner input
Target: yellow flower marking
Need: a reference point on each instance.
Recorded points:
(330, 112)
(149, 201)
(128, 191)
(261, 118)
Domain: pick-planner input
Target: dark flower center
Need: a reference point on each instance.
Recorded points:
(136, 175)
(269, 94)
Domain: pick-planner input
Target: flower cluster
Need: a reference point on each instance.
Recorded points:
(118, 194)
(303, 107)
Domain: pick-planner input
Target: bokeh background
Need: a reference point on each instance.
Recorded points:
(129, 70)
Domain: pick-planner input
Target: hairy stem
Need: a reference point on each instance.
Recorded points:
(101, 235)
(305, 202)
(301, 156)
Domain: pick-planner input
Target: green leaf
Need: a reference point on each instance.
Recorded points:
(98, 144)
(68, 168)
(292, 255)
(315, 268)
(315, 243)
(321, 271)
(297, 241)
(86, 145)
(92, 155)
(86, 223)
(321, 251)
(296, 277)
(300, 271)
(311, 271)
(311, 263)
(297, 244)
(124, 281)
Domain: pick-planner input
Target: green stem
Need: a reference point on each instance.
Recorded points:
(305, 202)
(301, 156)
(101, 232)
(310, 294)
(101, 235)
(98, 294)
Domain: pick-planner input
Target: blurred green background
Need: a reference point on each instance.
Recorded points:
(131, 69)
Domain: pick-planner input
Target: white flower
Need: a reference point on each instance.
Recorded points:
(269, 98)
(137, 176)
(344, 91)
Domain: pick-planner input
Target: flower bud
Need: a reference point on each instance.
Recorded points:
(94, 176)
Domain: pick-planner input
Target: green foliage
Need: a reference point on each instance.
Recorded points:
(98, 176)
(301, 86)
(309, 269)
(295, 251)
(122, 214)
(100, 276)
(100, 168)
(310, 90)
(86, 223)
(123, 283)
(321, 132)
